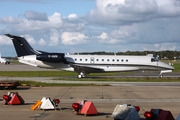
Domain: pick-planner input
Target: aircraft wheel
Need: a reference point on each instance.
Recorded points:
(161, 76)
(79, 76)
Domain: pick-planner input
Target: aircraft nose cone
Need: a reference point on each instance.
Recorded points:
(172, 68)
(166, 66)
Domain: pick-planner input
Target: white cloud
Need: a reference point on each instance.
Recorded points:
(54, 38)
(103, 36)
(5, 40)
(72, 16)
(109, 41)
(25, 25)
(30, 39)
(105, 39)
(33, 15)
(121, 34)
(156, 45)
(55, 20)
(10, 20)
(132, 11)
(167, 46)
(42, 42)
(168, 8)
(73, 38)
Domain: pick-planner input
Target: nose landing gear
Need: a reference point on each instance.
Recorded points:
(164, 71)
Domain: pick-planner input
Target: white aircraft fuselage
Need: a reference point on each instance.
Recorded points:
(100, 63)
(85, 64)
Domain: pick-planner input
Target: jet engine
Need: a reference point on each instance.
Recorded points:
(51, 57)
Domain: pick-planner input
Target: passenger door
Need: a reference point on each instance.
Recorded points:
(92, 60)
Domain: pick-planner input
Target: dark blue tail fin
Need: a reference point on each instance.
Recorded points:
(22, 47)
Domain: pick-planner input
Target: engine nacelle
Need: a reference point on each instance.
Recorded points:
(51, 57)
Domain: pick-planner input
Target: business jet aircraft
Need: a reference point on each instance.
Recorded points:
(3, 60)
(85, 64)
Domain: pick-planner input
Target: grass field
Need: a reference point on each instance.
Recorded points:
(177, 67)
(42, 84)
(64, 75)
(36, 73)
(70, 74)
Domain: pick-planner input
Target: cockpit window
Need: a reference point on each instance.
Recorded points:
(154, 60)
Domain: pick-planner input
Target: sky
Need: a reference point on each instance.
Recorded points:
(71, 26)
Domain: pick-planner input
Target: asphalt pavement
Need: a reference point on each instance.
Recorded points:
(163, 95)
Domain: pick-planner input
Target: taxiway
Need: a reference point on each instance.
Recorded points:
(105, 98)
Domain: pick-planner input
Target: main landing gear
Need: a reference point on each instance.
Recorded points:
(81, 75)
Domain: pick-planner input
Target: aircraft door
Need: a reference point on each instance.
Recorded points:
(92, 60)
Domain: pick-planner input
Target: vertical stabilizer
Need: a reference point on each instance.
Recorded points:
(21, 46)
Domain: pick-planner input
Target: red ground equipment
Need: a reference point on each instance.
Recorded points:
(84, 107)
(158, 114)
(13, 98)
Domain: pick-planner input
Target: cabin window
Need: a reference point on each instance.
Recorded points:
(97, 59)
(126, 60)
(102, 59)
(80, 59)
(117, 60)
(153, 60)
(75, 59)
(122, 60)
(86, 59)
(113, 60)
(108, 60)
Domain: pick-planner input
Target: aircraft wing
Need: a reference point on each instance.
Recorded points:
(86, 68)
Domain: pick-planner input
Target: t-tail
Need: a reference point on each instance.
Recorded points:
(24, 49)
